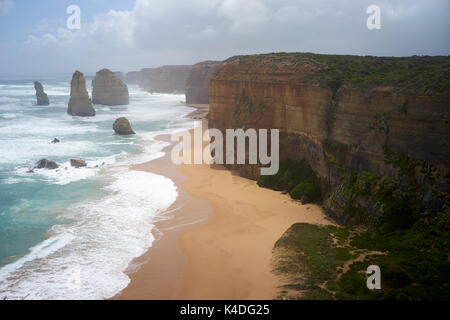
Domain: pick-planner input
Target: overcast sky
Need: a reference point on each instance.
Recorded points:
(132, 34)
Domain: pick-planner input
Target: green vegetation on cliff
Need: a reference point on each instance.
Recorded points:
(414, 263)
(297, 178)
(400, 223)
(418, 74)
(305, 254)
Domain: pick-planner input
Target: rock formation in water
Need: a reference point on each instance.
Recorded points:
(108, 89)
(45, 164)
(123, 127)
(197, 84)
(80, 104)
(166, 79)
(56, 140)
(78, 163)
(41, 96)
(368, 119)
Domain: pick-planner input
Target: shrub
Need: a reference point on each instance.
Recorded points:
(306, 189)
(290, 176)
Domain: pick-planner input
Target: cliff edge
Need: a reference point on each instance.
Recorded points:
(345, 116)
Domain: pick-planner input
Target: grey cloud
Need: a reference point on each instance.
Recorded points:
(160, 32)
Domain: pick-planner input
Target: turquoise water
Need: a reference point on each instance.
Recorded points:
(47, 218)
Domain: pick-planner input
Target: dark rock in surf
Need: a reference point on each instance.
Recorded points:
(78, 163)
(123, 127)
(45, 164)
(41, 96)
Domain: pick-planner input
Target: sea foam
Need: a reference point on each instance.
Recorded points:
(88, 258)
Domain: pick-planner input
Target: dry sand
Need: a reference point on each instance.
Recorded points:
(218, 243)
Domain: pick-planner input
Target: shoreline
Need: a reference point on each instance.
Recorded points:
(217, 241)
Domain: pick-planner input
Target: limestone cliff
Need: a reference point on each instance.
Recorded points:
(79, 104)
(166, 79)
(197, 84)
(108, 89)
(344, 115)
(133, 77)
(41, 96)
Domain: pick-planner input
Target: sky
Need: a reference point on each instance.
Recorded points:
(127, 35)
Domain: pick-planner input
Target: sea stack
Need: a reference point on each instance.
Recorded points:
(123, 127)
(108, 89)
(80, 104)
(41, 96)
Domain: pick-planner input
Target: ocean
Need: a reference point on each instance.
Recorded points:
(71, 233)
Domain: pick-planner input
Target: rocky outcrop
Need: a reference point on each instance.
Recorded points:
(123, 127)
(56, 140)
(80, 104)
(78, 163)
(45, 164)
(167, 79)
(342, 114)
(197, 84)
(108, 89)
(41, 96)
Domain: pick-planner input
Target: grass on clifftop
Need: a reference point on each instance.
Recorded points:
(418, 74)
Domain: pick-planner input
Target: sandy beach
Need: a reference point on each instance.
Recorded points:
(217, 241)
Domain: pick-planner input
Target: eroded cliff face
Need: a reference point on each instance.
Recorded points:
(166, 79)
(197, 84)
(334, 128)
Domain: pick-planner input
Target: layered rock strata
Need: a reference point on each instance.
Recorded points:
(342, 113)
(108, 89)
(79, 104)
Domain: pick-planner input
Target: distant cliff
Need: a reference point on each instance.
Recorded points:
(346, 116)
(197, 84)
(166, 79)
(133, 77)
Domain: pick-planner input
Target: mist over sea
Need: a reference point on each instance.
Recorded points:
(71, 233)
